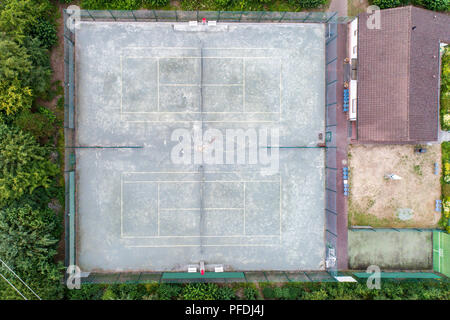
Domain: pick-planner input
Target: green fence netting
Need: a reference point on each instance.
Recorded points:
(441, 252)
(220, 16)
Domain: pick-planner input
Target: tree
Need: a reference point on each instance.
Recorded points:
(23, 165)
(309, 4)
(437, 5)
(28, 241)
(385, 4)
(14, 97)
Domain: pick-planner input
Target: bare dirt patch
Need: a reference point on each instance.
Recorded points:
(377, 201)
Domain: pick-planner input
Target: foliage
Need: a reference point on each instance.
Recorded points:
(121, 4)
(309, 4)
(124, 292)
(19, 17)
(437, 5)
(15, 63)
(14, 97)
(40, 74)
(87, 292)
(207, 291)
(45, 32)
(37, 124)
(384, 4)
(168, 292)
(426, 290)
(250, 293)
(23, 165)
(28, 240)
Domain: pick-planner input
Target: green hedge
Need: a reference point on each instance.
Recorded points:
(425, 290)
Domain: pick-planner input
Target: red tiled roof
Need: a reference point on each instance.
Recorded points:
(398, 75)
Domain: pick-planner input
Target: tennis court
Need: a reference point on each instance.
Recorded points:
(137, 83)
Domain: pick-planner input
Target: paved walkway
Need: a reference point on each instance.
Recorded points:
(339, 6)
(443, 136)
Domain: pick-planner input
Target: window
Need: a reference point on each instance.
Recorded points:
(355, 32)
(354, 49)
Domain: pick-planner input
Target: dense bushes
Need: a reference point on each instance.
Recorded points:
(121, 4)
(437, 5)
(29, 230)
(28, 239)
(24, 165)
(384, 4)
(288, 291)
(309, 4)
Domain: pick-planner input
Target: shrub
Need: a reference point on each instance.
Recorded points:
(225, 293)
(45, 31)
(206, 291)
(168, 292)
(14, 97)
(250, 293)
(385, 4)
(87, 292)
(437, 5)
(37, 124)
(23, 165)
(309, 4)
(28, 241)
(268, 293)
(281, 293)
(124, 292)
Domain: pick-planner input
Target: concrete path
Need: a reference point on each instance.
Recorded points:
(339, 6)
(444, 136)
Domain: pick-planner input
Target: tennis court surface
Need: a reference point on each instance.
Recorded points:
(137, 83)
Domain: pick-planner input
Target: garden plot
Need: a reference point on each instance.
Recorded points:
(380, 202)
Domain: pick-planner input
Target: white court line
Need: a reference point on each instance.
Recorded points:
(177, 172)
(205, 245)
(244, 206)
(121, 204)
(184, 121)
(229, 236)
(157, 80)
(197, 181)
(158, 209)
(205, 85)
(195, 57)
(122, 236)
(192, 209)
(199, 85)
(194, 112)
(243, 86)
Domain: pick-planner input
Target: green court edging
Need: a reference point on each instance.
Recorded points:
(400, 275)
(441, 252)
(71, 218)
(197, 275)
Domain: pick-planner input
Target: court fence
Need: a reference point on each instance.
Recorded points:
(330, 151)
(329, 18)
(219, 16)
(251, 277)
(69, 137)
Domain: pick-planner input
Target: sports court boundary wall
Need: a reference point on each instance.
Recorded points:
(331, 212)
(219, 16)
(69, 140)
(440, 244)
(330, 20)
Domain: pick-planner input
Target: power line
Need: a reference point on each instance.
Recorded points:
(20, 279)
(13, 286)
